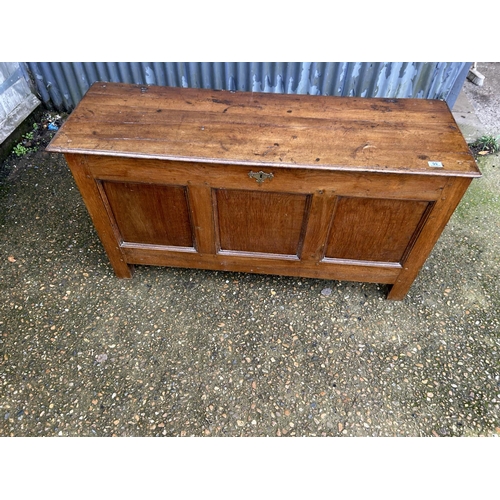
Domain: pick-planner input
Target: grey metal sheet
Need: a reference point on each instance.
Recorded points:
(61, 85)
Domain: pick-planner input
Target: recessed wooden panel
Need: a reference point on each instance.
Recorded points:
(150, 214)
(369, 229)
(262, 222)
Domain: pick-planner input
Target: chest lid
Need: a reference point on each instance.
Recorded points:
(415, 136)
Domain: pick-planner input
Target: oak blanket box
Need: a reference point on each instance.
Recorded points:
(339, 188)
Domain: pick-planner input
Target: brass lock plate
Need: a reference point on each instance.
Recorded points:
(260, 176)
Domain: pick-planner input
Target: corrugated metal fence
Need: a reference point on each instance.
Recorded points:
(61, 85)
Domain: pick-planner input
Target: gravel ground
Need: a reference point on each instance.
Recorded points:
(177, 352)
(486, 99)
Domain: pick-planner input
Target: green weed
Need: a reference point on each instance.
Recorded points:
(21, 150)
(486, 144)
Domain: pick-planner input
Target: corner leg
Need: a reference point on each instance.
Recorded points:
(397, 291)
(108, 234)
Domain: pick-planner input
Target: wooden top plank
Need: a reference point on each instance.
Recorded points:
(262, 129)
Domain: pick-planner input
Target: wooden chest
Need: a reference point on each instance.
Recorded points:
(323, 187)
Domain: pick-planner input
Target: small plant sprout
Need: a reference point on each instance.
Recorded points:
(486, 144)
(20, 150)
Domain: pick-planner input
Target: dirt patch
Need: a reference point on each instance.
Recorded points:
(41, 128)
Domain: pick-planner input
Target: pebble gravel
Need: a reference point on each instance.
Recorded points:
(179, 352)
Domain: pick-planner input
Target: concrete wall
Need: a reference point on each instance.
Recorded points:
(17, 100)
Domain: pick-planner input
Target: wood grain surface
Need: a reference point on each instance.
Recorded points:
(373, 229)
(262, 222)
(150, 214)
(321, 132)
